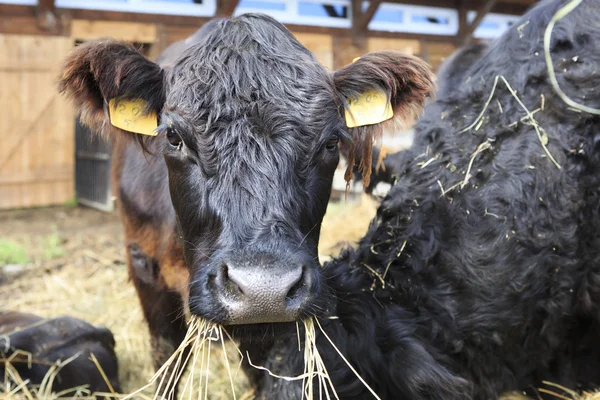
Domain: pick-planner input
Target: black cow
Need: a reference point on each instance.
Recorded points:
(58, 352)
(234, 187)
(481, 271)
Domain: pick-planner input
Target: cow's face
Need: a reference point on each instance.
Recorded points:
(249, 125)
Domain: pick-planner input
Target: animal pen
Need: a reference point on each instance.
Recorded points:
(57, 258)
(45, 161)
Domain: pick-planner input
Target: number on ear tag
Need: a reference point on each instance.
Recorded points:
(368, 108)
(129, 116)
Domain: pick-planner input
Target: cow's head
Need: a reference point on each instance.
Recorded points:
(249, 124)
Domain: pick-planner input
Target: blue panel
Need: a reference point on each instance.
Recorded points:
(170, 1)
(489, 25)
(262, 5)
(152, 1)
(311, 9)
(388, 16)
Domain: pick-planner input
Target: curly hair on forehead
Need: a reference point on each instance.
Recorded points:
(245, 60)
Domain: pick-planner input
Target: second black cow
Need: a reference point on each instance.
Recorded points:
(481, 271)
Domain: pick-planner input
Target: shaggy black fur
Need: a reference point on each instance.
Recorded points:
(498, 284)
(247, 145)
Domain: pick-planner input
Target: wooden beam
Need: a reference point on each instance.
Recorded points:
(485, 8)
(160, 43)
(367, 16)
(42, 175)
(19, 19)
(502, 7)
(84, 29)
(380, 34)
(178, 20)
(358, 39)
(46, 18)
(226, 8)
(45, 5)
(360, 21)
(356, 6)
(462, 17)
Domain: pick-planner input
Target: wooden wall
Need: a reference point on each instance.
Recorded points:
(37, 125)
(436, 52)
(37, 129)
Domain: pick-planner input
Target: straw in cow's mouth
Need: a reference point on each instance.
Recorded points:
(196, 345)
(314, 367)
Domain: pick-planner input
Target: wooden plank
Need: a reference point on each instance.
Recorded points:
(11, 66)
(345, 50)
(38, 194)
(28, 25)
(438, 51)
(176, 20)
(320, 45)
(46, 174)
(406, 46)
(176, 33)
(160, 43)
(127, 31)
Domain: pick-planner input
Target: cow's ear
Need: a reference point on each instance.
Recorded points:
(380, 90)
(107, 72)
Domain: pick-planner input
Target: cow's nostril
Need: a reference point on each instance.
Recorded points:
(298, 286)
(229, 284)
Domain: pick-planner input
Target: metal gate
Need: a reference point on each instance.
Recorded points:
(92, 169)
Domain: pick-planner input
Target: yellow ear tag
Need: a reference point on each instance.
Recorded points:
(368, 108)
(128, 115)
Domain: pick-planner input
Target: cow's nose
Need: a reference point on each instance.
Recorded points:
(262, 294)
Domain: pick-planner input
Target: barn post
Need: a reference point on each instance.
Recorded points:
(45, 15)
(160, 43)
(226, 8)
(361, 20)
(346, 50)
(467, 33)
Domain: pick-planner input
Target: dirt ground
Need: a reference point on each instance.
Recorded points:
(71, 262)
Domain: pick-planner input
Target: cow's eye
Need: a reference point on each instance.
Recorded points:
(174, 138)
(332, 143)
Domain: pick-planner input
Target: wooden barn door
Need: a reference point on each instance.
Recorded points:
(36, 123)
